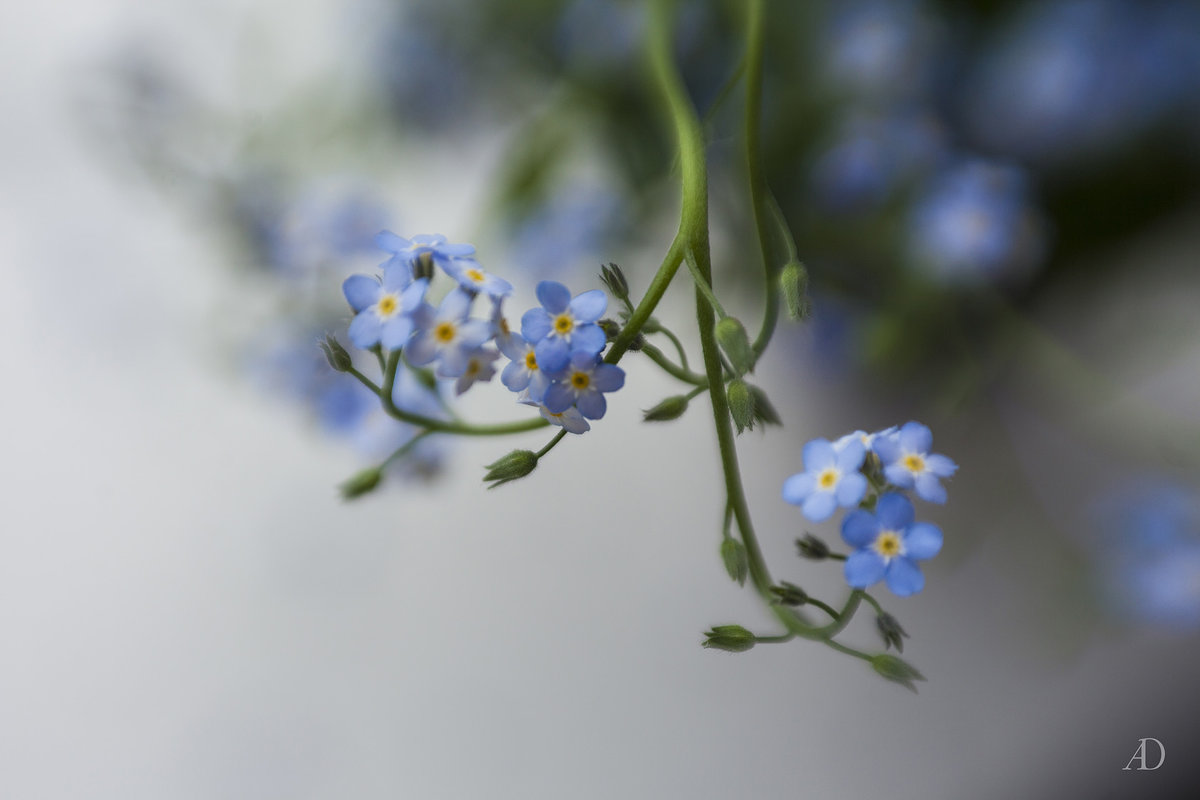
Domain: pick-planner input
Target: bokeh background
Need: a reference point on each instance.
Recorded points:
(998, 206)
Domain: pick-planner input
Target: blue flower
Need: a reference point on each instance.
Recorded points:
(448, 335)
(582, 385)
(564, 325)
(383, 308)
(433, 246)
(522, 373)
(889, 545)
(868, 439)
(569, 419)
(908, 464)
(830, 479)
(479, 368)
(471, 277)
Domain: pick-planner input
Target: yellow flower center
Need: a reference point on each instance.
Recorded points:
(914, 462)
(828, 478)
(444, 332)
(580, 380)
(530, 361)
(472, 368)
(475, 275)
(563, 324)
(888, 544)
(387, 305)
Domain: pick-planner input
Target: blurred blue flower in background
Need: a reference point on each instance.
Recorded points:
(1150, 554)
(573, 224)
(974, 222)
(1071, 79)
(879, 50)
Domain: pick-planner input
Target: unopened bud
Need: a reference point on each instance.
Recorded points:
(897, 670)
(516, 464)
(731, 335)
(890, 630)
(733, 638)
(793, 284)
(812, 548)
(361, 483)
(614, 279)
(335, 354)
(741, 404)
(669, 409)
(764, 412)
(789, 594)
(610, 328)
(733, 553)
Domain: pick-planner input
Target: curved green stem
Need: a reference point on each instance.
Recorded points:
(658, 287)
(686, 375)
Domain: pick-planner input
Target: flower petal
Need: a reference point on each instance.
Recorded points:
(895, 511)
(798, 487)
(396, 332)
(558, 398)
(904, 577)
(455, 305)
(929, 489)
(535, 324)
(915, 438)
(364, 330)
(391, 243)
(863, 568)
(553, 296)
(819, 454)
(589, 306)
(923, 540)
(859, 528)
(588, 338)
(608, 377)
(940, 465)
(851, 456)
(851, 488)
(552, 354)
(361, 291)
(422, 349)
(515, 377)
(819, 506)
(592, 405)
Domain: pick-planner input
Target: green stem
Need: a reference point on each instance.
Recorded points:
(683, 374)
(702, 284)
(550, 445)
(683, 361)
(405, 448)
(658, 287)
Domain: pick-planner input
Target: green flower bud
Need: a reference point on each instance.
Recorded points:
(335, 354)
(516, 464)
(733, 638)
(741, 404)
(897, 670)
(789, 594)
(793, 284)
(637, 342)
(764, 412)
(614, 279)
(812, 548)
(733, 553)
(890, 630)
(669, 409)
(361, 483)
(731, 335)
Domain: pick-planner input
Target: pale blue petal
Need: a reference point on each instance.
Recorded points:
(455, 305)
(887, 448)
(819, 454)
(852, 455)
(422, 349)
(455, 250)
(553, 296)
(588, 338)
(608, 377)
(895, 511)
(558, 398)
(396, 332)
(515, 377)
(592, 405)
(535, 324)
(904, 577)
(552, 355)
(589, 306)
(923, 540)
(413, 296)
(497, 287)
(863, 568)
(473, 333)
(915, 438)
(851, 488)
(583, 361)
(941, 466)
(391, 243)
(361, 291)
(538, 384)
(929, 489)
(798, 487)
(859, 528)
(453, 363)
(819, 506)
(899, 475)
(397, 275)
(364, 330)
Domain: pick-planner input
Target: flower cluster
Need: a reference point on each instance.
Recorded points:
(555, 361)
(872, 471)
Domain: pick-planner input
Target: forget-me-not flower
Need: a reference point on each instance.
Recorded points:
(830, 478)
(564, 325)
(383, 308)
(472, 277)
(907, 462)
(889, 543)
(522, 373)
(868, 439)
(479, 368)
(569, 419)
(448, 335)
(431, 246)
(582, 385)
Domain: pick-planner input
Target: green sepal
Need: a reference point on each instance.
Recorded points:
(669, 409)
(789, 594)
(335, 354)
(793, 285)
(889, 628)
(764, 411)
(733, 553)
(741, 404)
(731, 638)
(516, 464)
(735, 342)
(897, 670)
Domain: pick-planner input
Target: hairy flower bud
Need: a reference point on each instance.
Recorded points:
(764, 412)
(335, 354)
(516, 464)
(732, 638)
(890, 630)
(669, 409)
(789, 594)
(733, 553)
(812, 548)
(793, 284)
(731, 335)
(614, 279)
(741, 404)
(897, 670)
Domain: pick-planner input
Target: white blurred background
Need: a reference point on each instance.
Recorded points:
(189, 611)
